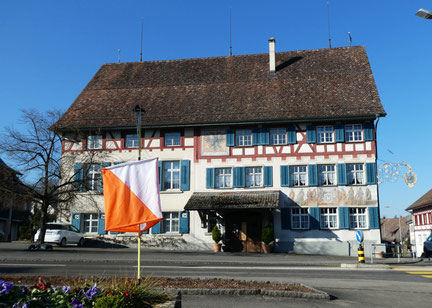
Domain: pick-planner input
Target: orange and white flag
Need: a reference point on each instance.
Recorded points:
(131, 193)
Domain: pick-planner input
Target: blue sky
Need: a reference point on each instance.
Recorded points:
(49, 50)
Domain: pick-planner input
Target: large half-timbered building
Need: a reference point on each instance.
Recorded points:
(285, 139)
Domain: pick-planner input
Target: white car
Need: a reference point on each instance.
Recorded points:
(62, 234)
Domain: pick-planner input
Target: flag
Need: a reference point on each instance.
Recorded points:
(131, 193)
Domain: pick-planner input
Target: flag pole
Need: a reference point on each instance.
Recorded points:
(139, 258)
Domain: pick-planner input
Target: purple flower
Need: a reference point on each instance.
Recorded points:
(5, 286)
(75, 301)
(66, 289)
(92, 292)
(25, 305)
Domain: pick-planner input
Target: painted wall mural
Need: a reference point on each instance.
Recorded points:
(214, 143)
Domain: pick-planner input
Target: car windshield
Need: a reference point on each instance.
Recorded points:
(429, 239)
(54, 227)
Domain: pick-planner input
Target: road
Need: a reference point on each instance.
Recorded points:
(397, 286)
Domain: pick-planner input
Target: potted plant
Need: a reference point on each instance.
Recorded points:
(217, 237)
(267, 237)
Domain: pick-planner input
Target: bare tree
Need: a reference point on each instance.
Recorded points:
(37, 153)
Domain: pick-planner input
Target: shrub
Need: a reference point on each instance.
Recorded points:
(216, 235)
(114, 301)
(267, 235)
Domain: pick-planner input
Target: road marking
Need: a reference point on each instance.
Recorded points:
(285, 268)
(427, 276)
(37, 265)
(425, 272)
(420, 273)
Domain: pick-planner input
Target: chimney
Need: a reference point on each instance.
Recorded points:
(272, 56)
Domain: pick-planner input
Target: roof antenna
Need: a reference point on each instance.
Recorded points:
(230, 33)
(141, 39)
(118, 50)
(350, 38)
(328, 18)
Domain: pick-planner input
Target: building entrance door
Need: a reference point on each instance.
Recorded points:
(243, 232)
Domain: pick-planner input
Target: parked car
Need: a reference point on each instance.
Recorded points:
(62, 234)
(427, 247)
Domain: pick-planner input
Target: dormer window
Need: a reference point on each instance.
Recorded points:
(94, 142)
(172, 139)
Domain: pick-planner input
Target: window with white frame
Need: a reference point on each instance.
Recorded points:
(254, 176)
(353, 132)
(357, 218)
(94, 142)
(299, 218)
(90, 223)
(298, 175)
(171, 222)
(326, 175)
(171, 175)
(223, 177)
(244, 137)
(355, 174)
(325, 134)
(132, 141)
(278, 136)
(328, 218)
(172, 139)
(94, 177)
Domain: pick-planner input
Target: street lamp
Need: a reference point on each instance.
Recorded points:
(138, 111)
(424, 14)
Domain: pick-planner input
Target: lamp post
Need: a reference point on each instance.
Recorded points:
(138, 111)
(424, 14)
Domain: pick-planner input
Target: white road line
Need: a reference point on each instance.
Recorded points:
(29, 264)
(287, 268)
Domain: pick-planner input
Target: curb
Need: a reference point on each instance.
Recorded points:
(363, 265)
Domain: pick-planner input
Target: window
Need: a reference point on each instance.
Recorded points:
(327, 175)
(355, 174)
(357, 216)
(300, 218)
(132, 141)
(94, 178)
(172, 139)
(94, 142)
(223, 177)
(278, 136)
(171, 222)
(90, 223)
(353, 133)
(171, 175)
(298, 175)
(254, 177)
(244, 137)
(328, 218)
(325, 134)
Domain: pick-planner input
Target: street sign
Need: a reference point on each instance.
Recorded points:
(359, 236)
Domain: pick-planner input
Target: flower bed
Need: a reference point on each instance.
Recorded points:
(80, 294)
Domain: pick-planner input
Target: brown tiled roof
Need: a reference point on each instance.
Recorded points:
(233, 200)
(312, 84)
(390, 229)
(424, 200)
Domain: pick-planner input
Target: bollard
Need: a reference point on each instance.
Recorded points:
(361, 258)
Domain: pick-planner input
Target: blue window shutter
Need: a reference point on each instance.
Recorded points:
(313, 175)
(343, 218)
(230, 138)
(145, 232)
(79, 176)
(239, 177)
(311, 134)
(118, 162)
(292, 134)
(285, 181)
(76, 220)
(370, 173)
(314, 217)
(265, 136)
(210, 178)
(341, 174)
(156, 229)
(101, 223)
(184, 222)
(268, 176)
(286, 218)
(373, 218)
(185, 175)
(368, 130)
(256, 136)
(160, 175)
(339, 133)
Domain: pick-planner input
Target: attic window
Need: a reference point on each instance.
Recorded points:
(94, 142)
(172, 139)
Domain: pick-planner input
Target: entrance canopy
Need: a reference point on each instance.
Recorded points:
(233, 200)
